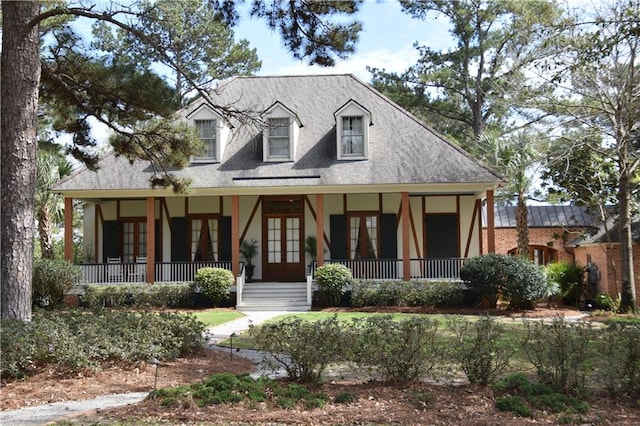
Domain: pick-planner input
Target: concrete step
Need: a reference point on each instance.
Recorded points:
(274, 297)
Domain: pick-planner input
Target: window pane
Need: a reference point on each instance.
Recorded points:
(293, 240)
(207, 130)
(352, 136)
(279, 137)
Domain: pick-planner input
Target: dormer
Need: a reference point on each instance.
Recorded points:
(213, 131)
(352, 131)
(280, 135)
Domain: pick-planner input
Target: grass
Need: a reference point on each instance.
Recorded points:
(213, 317)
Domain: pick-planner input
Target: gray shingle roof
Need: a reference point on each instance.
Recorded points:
(402, 150)
(548, 216)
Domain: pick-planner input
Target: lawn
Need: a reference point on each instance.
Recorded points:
(213, 317)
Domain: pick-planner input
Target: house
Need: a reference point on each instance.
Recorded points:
(600, 253)
(551, 229)
(324, 156)
(571, 234)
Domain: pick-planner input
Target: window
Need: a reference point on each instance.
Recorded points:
(134, 239)
(352, 136)
(540, 255)
(207, 130)
(363, 236)
(278, 144)
(204, 239)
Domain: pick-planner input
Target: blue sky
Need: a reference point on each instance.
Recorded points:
(386, 42)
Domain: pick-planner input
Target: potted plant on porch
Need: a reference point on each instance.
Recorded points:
(249, 250)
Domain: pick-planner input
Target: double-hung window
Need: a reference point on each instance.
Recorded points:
(207, 131)
(352, 136)
(279, 138)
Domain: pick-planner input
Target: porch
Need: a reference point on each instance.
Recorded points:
(269, 296)
(174, 272)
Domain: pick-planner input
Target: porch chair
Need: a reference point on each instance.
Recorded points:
(138, 270)
(114, 269)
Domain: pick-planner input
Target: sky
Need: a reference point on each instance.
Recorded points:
(386, 42)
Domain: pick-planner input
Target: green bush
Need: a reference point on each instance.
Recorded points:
(515, 278)
(215, 283)
(401, 350)
(75, 340)
(303, 348)
(570, 278)
(51, 279)
(478, 349)
(402, 293)
(525, 283)
(333, 279)
(619, 363)
(178, 295)
(560, 352)
(606, 302)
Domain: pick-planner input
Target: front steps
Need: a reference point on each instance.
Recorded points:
(268, 296)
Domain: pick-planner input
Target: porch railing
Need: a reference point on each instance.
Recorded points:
(136, 272)
(391, 269)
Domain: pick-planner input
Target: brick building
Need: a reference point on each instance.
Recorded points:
(559, 233)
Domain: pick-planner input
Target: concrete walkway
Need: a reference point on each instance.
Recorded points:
(42, 414)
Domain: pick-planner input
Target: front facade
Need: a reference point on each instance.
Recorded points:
(312, 156)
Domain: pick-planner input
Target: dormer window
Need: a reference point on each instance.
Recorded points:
(213, 131)
(207, 131)
(352, 136)
(280, 135)
(352, 131)
(279, 138)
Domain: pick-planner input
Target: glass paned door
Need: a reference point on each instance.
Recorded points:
(283, 260)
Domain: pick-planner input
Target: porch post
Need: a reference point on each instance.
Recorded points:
(406, 250)
(235, 235)
(68, 229)
(151, 240)
(320, 229)
(491, 226)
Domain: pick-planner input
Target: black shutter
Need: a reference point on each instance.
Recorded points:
(442, 236)
(224, 226)
(338, 233)
(179, 238)
(110, 239)
(158, 247)
(388, 236)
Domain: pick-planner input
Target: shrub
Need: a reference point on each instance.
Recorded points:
(215, 283)
(51, 280)
(559, 351)
(570, 279)
(178, 295)
(525, 283)
(402, 293)
(400, 350)
(478, 349)
(619, 365)
(333, 279)
(513, 277)
(76, 340)
(303, 348)
(606, 302)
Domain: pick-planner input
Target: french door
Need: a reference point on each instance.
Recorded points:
(282, 230)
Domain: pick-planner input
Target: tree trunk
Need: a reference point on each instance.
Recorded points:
(20, 78)
(522, 226)
(44, 231)
(628, 293)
